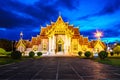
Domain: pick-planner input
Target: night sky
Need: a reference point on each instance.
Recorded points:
(89, 15)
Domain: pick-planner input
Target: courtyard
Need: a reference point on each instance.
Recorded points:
(59, 68)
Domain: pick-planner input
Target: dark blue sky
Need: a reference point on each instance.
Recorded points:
(88, 15)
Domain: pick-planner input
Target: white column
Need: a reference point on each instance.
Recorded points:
(49, 45)
(69, 41)
(70, 44)
(42, 44)
(53, 41)
(66, 45)
(78, 44)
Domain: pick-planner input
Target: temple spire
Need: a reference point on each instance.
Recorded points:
(59, 18)
(59, 13)
(21, 35)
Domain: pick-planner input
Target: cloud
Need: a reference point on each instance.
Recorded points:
(27, 2)
(106, 7)
(101, 22)
(89, 15)
(21, 15)
(10, 18)
(111, 7)
(2, 29)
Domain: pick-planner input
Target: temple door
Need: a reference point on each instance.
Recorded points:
(60, 45)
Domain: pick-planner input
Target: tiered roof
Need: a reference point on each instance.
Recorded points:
(76, 35)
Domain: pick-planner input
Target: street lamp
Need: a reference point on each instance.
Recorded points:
(13, 43)
(98, 34)
(12, 46)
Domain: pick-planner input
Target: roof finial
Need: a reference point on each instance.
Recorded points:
(21, 35)
(41, 26)
(59, 13)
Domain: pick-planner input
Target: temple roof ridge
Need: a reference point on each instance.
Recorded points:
(59, 19)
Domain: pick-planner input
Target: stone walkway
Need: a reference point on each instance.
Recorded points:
(59, 68)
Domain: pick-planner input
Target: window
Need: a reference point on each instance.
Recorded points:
(75, 47)
(44, 47)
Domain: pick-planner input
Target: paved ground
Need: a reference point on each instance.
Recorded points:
(59, 68)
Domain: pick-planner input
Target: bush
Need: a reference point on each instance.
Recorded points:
(2, 51)
(8, 53)
(111, 53)
(87, 54)
(103, 54)
(80, 53)
(16, 55)
(39, 53)
(116, 49)
(6, 44)
(31, 54)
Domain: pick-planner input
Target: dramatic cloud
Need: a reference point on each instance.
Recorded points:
(89, 15)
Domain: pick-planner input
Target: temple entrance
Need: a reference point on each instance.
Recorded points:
(59, 47)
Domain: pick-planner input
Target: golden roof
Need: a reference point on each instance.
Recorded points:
(94, 42)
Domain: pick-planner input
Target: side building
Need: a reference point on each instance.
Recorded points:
(60, 38)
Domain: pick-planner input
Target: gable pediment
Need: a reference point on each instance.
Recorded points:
(59, 27)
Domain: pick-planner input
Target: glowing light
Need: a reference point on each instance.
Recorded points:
(21, 34)
(98, 34)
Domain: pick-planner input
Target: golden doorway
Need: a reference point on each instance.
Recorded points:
(60, 45)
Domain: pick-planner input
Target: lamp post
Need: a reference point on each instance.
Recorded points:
(107, 45)
(98, 34)
(12, 46)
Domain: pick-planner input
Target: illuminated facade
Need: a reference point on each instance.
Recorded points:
(60, 38)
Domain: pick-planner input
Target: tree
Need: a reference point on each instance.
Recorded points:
(80, 53)
(39, 53)
(116, 49)
(88, 54)
(118, 44)
(2, 51)
(6, 44)
(103, 54)
(16, 55)
(31, 54)
(111, 53)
